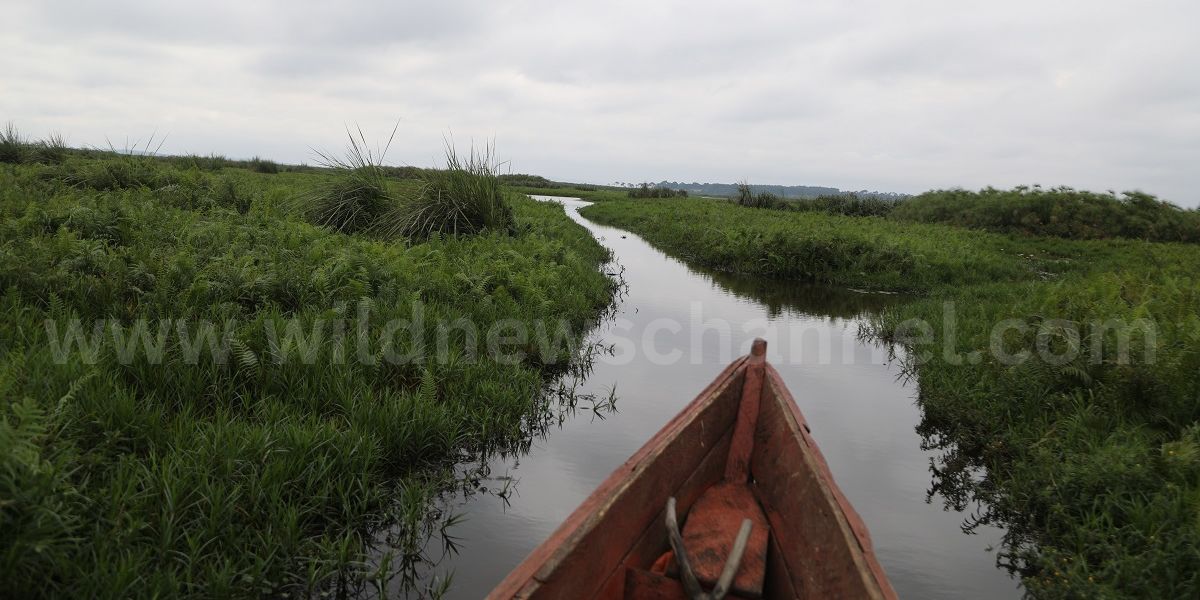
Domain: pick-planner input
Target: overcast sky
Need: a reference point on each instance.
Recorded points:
(856, 94)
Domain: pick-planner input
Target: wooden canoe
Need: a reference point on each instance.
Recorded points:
(740, 446)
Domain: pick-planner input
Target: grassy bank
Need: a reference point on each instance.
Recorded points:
(871, 253)
(1060, 212)
(1031, 211)
(1087, 451)
(260, 459)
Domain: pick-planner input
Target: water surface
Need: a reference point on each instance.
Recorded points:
(861, 413)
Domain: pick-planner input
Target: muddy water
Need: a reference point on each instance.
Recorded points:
(676, 328)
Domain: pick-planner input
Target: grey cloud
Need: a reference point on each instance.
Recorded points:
(303, 22)
(852, 93)
(303, 63)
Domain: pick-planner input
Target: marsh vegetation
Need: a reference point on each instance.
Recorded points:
(166, 459)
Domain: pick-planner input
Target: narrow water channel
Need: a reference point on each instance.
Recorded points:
(861, 413)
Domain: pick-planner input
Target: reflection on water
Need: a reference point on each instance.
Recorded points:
(861, 412)
(778, 297)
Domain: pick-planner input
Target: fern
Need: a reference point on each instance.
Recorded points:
(71, 391)
(246, 359)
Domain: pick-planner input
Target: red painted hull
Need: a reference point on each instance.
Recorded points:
(818, 546)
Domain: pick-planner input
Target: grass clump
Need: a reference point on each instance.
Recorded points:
(356, 196)
(13, 145)
(463, 199)
(51, 150)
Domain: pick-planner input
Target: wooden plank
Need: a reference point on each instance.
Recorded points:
(779, 582)
(622, 523)
(737, 469)
(589, 546)
(822, 541)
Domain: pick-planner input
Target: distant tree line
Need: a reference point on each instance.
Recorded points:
(732, 190)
